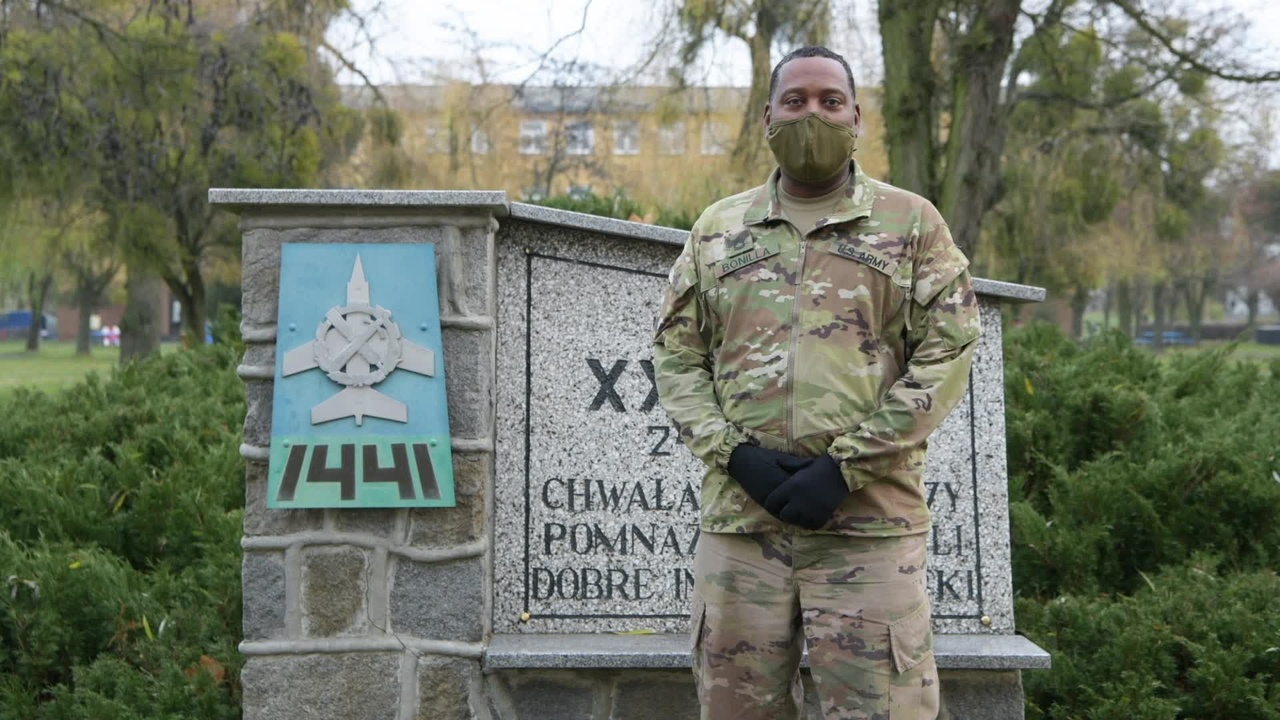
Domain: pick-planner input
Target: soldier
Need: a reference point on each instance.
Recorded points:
(815, 331)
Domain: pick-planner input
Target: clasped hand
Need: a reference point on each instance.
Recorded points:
(801, 491)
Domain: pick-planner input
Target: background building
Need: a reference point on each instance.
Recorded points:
(664, 147)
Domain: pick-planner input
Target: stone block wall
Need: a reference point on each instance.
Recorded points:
(372, 614)
(670, 695)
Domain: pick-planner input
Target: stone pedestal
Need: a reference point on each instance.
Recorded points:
(576, 511)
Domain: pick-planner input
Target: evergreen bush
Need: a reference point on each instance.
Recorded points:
(1145, 511)
(119, 543)
(1145, 516)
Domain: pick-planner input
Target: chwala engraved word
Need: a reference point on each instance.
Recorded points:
(358, 345)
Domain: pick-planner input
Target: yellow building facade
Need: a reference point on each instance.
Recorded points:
(662, 147)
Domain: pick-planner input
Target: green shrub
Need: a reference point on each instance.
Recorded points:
(136, 465)
(617, 205)
(119, 539)
(1121, 464)
(621, 207)
(1145, 519)
(1192, 643)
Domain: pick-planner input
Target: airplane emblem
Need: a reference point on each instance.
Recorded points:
(358, 345)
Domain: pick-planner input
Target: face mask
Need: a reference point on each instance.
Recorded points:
(811, 149)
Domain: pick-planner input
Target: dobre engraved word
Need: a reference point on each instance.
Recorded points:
(588, 583)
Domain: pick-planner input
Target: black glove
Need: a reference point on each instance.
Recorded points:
(760, 471)
(810, 497)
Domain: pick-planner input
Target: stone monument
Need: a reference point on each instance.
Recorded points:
(558, 584)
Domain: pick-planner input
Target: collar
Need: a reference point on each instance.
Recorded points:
(857, 202)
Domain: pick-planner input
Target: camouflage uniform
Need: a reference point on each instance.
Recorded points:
(860, 604)
(854, 340)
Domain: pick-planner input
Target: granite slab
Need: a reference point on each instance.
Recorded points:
(966, 485)
(237, 199)
(596, 223)
(595, 499)
(670, 651)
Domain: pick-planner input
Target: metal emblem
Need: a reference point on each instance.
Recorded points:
(358, 345)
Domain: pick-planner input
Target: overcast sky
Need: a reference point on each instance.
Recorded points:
(413, 38)
(424, 40)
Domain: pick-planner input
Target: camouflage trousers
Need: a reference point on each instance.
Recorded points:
(860, 605)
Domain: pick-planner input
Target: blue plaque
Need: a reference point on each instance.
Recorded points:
(359, 418)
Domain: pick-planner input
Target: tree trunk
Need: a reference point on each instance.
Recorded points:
(84, 305)
(1079, 302)
(1124, 307)
(910, 89)
(189, 289)
(1139, 308)
(1195, 306)
(1106, 307)
(975, 140)
(37, 293)
(1158, 309)
(748, 152)
(1251, 303)
(142, 326)
(195, 313)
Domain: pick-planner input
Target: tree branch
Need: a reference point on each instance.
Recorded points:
(349, 65)
(1086, 104)
(1140, 19)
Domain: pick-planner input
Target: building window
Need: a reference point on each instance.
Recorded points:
(715, 138)
(533, 137)
(479, 141)
(580, 138)
(437, 138)
(671, 139)
(626, 137)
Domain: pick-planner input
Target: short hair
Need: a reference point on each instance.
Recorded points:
(809, 51)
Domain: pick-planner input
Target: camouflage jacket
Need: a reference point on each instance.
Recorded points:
(855, 340)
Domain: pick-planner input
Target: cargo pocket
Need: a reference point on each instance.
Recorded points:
(913, 689)
(696, 618)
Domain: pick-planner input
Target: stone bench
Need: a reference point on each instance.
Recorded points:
(548, 677)
(668, 651)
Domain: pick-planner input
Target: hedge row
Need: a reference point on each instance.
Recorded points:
(119, 544)
(1145, 508)
(1145, 513)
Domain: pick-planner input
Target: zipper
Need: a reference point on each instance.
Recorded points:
(795, 344)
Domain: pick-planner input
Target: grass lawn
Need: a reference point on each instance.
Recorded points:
(1244, 351)
(54, 366)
